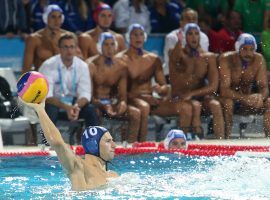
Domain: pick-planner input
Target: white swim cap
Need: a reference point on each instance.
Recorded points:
(104, 36)
(133, 27)
(243, 39)
(173, 134)
(189, 26)
(49, 9)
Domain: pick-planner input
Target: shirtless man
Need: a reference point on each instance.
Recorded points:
(142, 67)
(190, 67)
(87, 173)
(88, 40)
(109, 76)
(239, 70)
(43, 44)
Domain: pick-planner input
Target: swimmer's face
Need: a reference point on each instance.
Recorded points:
(107, 147)
(108, 48)
(137, 38)
(177, 143)
(105, 18)
(193, 38)
(68, 49)
(246, 52)
(189, 17)
(55, 20)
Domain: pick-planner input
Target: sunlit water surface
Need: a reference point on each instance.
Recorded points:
(148, 176)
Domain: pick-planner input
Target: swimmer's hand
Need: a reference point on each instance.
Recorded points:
(121, 108)
(162, 90)
(180, 37)
(150, 99)
(109, 110)
(33, 105)
(254, 100)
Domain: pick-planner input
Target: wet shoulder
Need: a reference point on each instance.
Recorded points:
(151, 55)
(122, 54)
(35, 37)
(120, 63)
(228, 56)
(258, 56)
(209, 55)
(117, 35)
(92, 59)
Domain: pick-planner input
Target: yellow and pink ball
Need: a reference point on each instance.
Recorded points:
(32, 87)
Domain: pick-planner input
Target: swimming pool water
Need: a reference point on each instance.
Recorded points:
(147, 176)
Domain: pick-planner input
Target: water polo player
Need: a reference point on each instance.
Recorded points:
(175, 139)
(87, 173)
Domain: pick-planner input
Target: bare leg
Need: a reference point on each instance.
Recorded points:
(182, 109)
(266, 118)
(144, 107)
(218, 120)
(196, 116)
(228, 115)
(134, 118)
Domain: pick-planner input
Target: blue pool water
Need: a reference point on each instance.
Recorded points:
(148, 176)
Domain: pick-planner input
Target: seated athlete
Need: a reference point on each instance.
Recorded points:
(109, 78)
(98, 144)
(175, 139)
(238, 71)
(149, 98)
(194, 77)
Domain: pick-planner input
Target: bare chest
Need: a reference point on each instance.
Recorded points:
(141, 68)
(242, 77)
(191, 68)
(108, 75)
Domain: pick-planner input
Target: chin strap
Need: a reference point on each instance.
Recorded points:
(244, 64)
(139, 51)
(108, 61)
(194, 52)
(106, 163)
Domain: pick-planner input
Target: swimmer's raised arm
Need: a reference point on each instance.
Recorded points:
(176, 53)
(53, 136)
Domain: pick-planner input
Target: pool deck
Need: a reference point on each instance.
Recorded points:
(240, 142)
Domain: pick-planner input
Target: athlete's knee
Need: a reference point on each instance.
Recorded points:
(227, 104)
(134, 114)
(184, 108)
(267, 104)
(145, 109)
(196, 107)
(215, 107)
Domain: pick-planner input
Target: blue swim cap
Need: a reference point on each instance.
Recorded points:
(91, 138)
(173, 134)
(190, 26)
(245, 39)
(102, 38)
(133, 27)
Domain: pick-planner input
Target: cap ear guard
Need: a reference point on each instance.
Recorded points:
(133, 27)
(244, 39)
(49, 9)
(104, 36)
